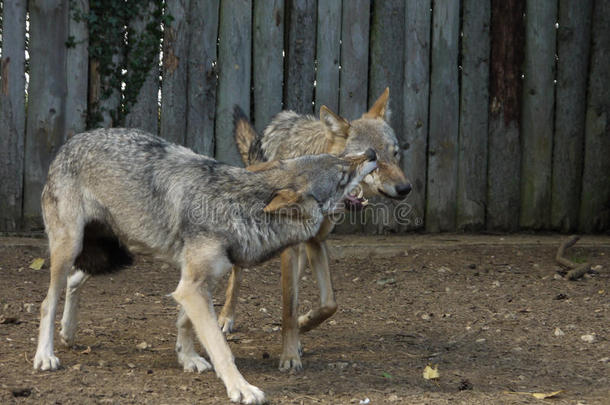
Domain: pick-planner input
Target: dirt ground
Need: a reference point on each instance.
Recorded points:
(497, 320)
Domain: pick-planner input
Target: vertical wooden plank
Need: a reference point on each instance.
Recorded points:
(300, 56)
(573, 42)
(47, 101)
(537, 114)
(354, 58)
(504, 152)
(174, 85)
(353, 87)
(416, 99)
(12, 113)
(328, 55)
(77, 67)
(234, 64)
(144, 113)
(386, 59)
(595, 200)
(202, 78)
(444, 116)
(386, 62)
(474, 102)
(268, 61)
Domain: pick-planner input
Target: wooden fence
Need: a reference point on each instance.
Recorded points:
(501, 107)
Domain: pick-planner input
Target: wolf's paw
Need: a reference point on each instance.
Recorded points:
(46, 362)
(194, 363)
(305, 319)
(66, 339)
(226, 324)
(246, 393)
(290, 362)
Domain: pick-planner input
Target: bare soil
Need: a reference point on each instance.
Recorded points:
(488, 315)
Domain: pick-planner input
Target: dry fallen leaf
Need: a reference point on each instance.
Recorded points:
(37, 263)
(87, 350)
(540, 395)
(431, 373)
(143, 346)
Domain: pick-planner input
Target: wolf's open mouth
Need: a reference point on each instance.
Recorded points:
(355, 200)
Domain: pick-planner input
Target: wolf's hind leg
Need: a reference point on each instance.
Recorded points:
(69, 319)
(64, 246)
(318, 259)
(226, 318)
(185, 346)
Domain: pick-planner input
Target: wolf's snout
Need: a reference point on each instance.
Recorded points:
(403, 189)
(371, 155)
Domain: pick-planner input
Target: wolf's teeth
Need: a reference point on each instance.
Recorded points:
(360, 194)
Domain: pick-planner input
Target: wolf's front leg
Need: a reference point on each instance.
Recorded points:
(185, 346)
(226, 318)
(201, 269)
(290, 358)
(318, 258)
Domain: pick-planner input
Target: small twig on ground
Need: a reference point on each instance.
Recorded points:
(577, 270)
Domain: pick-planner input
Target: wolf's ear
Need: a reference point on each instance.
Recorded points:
(283, 199)
(381, 108)
(336, 124)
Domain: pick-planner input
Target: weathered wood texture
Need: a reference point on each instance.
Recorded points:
(573, 42)
(144, 113)
(202, 76)
(385, 54)
(46, 130)
(537, 113)
(353, 89)
(474, 114)
(328, 55)
(300, 54)
(504, 151)
(353, 78)
(267, 61)
(12, 114)
(387, 32)
(234, 68)
(77, 70)
(175, 63)
(494, 143)
(595, 200)
(444, 118)
(416, 98)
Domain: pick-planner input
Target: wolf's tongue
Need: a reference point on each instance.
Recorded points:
(353, 201)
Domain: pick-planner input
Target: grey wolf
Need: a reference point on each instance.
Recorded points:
(290, 135)
(110, 193)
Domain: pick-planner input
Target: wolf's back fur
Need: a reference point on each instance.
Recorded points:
(289, 135)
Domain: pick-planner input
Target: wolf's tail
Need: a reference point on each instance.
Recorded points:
(249, 142)
(102, 252)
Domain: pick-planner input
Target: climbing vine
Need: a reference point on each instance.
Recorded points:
(120, 57)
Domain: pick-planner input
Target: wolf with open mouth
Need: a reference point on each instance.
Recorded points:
(112, 192)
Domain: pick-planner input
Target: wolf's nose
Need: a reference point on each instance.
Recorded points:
(403, 189)
(371, 155)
